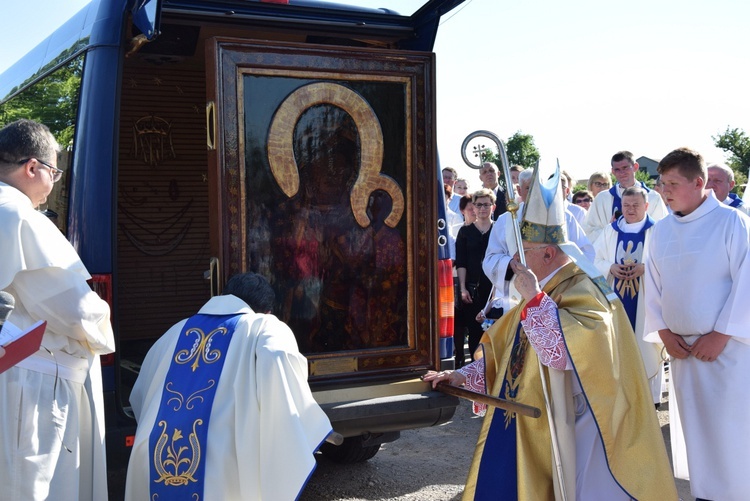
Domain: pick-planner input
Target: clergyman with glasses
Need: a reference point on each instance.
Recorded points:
(51, 407)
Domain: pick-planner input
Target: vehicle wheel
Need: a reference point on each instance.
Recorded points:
(351, 451)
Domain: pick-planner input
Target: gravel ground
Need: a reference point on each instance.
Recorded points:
(428, 464)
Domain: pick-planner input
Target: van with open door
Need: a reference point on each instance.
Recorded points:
(294, 139)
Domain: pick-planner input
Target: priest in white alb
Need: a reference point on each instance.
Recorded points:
(620, 256)
(697, 286)
(223, 406)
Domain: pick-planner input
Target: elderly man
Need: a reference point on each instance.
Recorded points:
(721, 181)
(620, 257)
(51, 407)
(488, 176)
(697, 283)
(607, 206)
(502, 246)
(567, 331)
(228, 387)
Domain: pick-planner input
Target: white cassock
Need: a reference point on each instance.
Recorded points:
(606, 252)
(698, 280)
(578, 212)
(502, 246)
(265, 424)
(49, 403)
(600, 213)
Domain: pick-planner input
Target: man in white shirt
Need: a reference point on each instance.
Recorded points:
(449, 177)
(607, 205)
(721, 181)
(697, 282)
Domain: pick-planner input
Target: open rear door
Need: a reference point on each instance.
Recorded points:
(322, 179)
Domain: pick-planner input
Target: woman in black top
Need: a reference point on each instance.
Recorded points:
(471, 243)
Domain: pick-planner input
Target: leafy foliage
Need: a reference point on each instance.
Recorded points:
(52, 101)
(642, 175)
(737, 144)
(522, 150)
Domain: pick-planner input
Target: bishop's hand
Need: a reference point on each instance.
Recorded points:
(525, 281)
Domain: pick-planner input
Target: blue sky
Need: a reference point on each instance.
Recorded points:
(586, 78)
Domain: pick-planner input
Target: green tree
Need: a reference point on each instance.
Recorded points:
(522, 150)
(737, 144)
(642, 175)
(52, 101)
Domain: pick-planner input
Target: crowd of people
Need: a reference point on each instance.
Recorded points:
(571, 308)
(619, 280)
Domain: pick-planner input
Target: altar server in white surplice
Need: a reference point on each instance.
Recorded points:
(252, 434)
(51, 403)
(608, 203)
(620, 256)
(697, 288)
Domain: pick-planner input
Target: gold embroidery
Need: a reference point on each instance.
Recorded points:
(201, 349)
(174, 461)
(179, 398)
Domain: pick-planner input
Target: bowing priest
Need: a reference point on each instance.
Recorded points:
(607, 206)
(620, 257)
(570, 332)
(223, 406)
(697, 285)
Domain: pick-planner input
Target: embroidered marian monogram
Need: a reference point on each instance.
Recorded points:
(201, 349)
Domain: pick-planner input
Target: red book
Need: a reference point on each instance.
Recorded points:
(24, 344)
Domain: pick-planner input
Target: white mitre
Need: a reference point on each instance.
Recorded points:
(544, 222)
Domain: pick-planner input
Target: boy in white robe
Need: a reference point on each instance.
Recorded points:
(697, 284)
(623, 266)
(51, 403)
(263, 424)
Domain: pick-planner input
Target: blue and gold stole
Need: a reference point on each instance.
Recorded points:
(629, 251)
(179, 437)
(617, 201)
(736, 200)
(497, 477)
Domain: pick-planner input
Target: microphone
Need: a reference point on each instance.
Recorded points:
(7, 303)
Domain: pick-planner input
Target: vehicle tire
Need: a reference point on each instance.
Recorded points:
(351, 451)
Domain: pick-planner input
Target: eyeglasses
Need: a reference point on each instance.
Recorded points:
(583, 200)
(482, 206)
(600, 184)
(54, 171)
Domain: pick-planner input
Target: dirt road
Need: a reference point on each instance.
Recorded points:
(429, 464)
